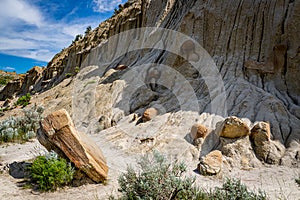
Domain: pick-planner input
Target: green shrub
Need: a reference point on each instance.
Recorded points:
(234, 189)
(119, 9)
(77, 69)
(4, 79)
(21, 128)
(78, 37)
(24, 100)
(88, 30)
(51, 172)
(68, 75)
(158, 179)
(298, 181)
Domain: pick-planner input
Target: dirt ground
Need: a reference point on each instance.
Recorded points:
(277, 181)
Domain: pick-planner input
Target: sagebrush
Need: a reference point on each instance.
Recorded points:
(159, 179)
(234, 189)
(21, 128)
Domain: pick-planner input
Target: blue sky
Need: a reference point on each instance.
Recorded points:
(33, 31)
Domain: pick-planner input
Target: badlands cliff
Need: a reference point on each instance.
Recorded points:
(208, 79)
(210, 58)
(254, 45)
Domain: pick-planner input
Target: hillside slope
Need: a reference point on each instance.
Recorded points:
(194, 61)
(254, 44)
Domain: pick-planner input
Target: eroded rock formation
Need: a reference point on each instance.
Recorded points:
(58, 133)
(254, 45)
(245, 54)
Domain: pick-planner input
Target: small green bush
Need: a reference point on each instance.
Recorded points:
(158, 179)
(51, 172)
(88, 30)
(4, 79)
(298, 181)
(234, 189)
(119, 9)
(21, 128)
(24, 100)
(68, 75)
(77, 69)
(78, 37)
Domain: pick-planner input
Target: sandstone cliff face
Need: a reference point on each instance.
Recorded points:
(22, 84)
(256, 49)
(254, 44)
(69, 58)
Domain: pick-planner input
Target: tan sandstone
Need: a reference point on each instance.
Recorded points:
(58, 133)
(266, 149)
(211, 164)
(149, 114)
(233, 127)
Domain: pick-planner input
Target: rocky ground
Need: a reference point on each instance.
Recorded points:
(249, 68)
(277, 181)
(125, 142)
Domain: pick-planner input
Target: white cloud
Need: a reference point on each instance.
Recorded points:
(36, 54)
(8, 68)
(20, 10)
(105, 5)
(76, 28)
(25, 32)
(18, 43)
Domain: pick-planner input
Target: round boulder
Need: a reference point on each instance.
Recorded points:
(198, 133)
(211, 164)
(266, 149)
(149, 114)
(260, 133)
(233, 127)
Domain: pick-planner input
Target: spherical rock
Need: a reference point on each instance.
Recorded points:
(198, 133)
(233, 127)
(266, 149)
(211, 164)
(149, 114)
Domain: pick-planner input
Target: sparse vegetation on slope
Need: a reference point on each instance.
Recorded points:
(50, 172)
(24, 100)
(21, 128)
(234, 189)
(158, 179)
(4, 79)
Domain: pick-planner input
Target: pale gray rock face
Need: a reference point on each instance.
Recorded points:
(196, 62)
(239, 153)
(237, 33)
(252, 44)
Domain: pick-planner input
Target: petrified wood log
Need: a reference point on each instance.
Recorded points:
(57, 132)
